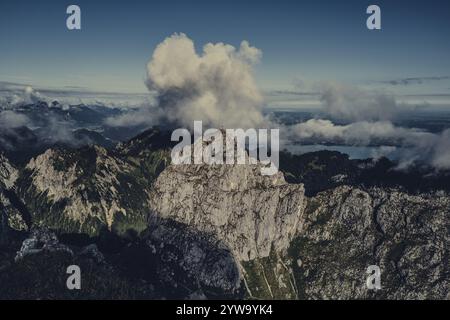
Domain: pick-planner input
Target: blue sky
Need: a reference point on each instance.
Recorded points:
(308, 40)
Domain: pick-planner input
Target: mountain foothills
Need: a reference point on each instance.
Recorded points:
(140, 227)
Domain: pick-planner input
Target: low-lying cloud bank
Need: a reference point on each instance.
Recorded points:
(418, 146)
(361, 133)
(29, 119)
(367, 116)
(20, 95)
(14, 95)
(10, 119)
(352, 103)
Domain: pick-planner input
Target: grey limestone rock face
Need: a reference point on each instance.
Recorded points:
(8, 173)
(347, 229)
(251, 213)
(83, 190)
(8, 177)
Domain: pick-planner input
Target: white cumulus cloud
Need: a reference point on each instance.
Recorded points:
(216, 86)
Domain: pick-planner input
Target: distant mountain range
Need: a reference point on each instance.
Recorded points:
(43, 125)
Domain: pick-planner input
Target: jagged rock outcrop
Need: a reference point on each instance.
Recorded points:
(84, 190)
(13, 215)
(8, 177)
(8, 173)
(253, 214)
(347, 229)
(41, 240)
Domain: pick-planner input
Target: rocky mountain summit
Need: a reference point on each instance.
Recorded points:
(189, 231)
(9, 202)
(8, 173)
(83, 190)
(254, 215)
(251, 213)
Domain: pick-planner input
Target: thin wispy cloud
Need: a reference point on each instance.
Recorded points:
(15, 94)
(414, 80)
(291, 93)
